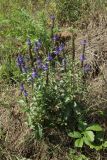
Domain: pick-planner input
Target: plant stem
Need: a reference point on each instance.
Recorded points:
(31, 56)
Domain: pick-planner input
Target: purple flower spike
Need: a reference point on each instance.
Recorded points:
(36, 49)
(40, 66)
(22, 87)
(52, 17)
(24, 69)
(82, 58)
(20, 60)
(28, 42)
(56, 52)
(38, 45)
(61, 47)
(87, 68)
(83, 42)
(55, 38)
(34, 74)
(50, 58)
(45, 67)
(25, 93)
(39, 61)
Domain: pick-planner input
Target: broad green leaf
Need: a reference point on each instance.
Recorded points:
(89, 135)
(86, 141)
(79, 143)
(75, 134)
(94, 127)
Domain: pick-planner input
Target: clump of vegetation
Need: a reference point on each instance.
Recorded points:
(53, 83)
(52, 76)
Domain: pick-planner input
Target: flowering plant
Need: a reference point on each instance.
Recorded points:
(55, 82)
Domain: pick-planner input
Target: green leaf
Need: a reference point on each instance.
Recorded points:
(75, 134)
(96, 147)
(94, 127)
(82, 125)
(67, 99)
(79, 143)
(89, 135)
(86, 141)
(56, 87)
(92, 146)
(39, 131)
(105, 144)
